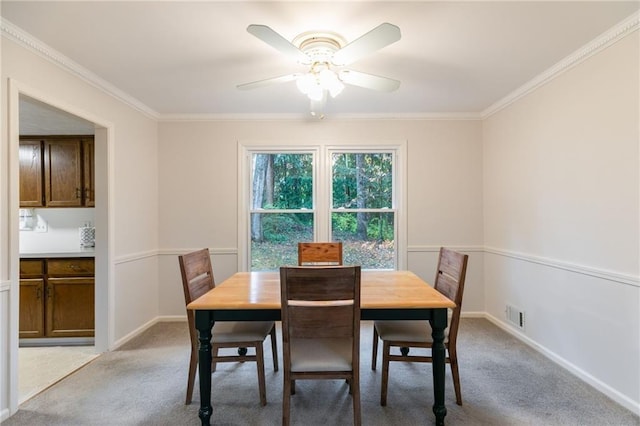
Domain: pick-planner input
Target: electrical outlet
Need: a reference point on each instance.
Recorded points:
(41, 226)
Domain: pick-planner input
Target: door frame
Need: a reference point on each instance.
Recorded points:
(104, 267)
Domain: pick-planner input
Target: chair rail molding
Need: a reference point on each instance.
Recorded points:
(212, 251)
(628, 279)
(436, 249)
(5, 286)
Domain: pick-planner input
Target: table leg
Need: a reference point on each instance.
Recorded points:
(204, 324)
(438, 325)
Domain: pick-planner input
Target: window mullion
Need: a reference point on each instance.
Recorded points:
(323, 181)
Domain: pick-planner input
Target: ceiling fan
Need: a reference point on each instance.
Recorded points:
(326, 54)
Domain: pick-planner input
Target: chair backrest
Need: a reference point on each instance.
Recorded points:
(320, 253)
(450, 277)
(197, 279)
(320, 302)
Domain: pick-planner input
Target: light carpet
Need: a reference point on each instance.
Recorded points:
(41, 367)
(504, 382)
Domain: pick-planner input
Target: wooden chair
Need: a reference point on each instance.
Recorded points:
(320, 253)
(321, 328)
(197, 279)
(450, 276)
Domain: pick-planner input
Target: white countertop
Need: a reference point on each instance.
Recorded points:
(81, 252)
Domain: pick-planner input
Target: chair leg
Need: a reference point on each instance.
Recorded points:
(261, 382)
(374, 356)
(453, 361)
(386, 349)
(214, 354)
(193, 366)
(286, 398)
(274, 347)
(293, 387)
(355, 394)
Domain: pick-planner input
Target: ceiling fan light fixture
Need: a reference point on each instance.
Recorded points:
(329, 81)
(315, 83)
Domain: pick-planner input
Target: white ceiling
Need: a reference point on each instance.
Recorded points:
(37, 118)
(186, 58)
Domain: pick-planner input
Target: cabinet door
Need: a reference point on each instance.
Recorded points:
(70, 307)
(31, 173)
(31, 307)
(62, 173)
(88, 175)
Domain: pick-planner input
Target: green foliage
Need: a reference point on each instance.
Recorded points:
(362, 180)
(343, 223)
(293, 181)
(378, 228)
(277, 228)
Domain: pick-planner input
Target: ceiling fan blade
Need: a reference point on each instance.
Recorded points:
(278, 42)
(368, 81)
(268, 82)
(379, 37)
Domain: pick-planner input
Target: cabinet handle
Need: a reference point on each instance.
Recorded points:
(78, 194)
(38, 293)
(49, 292)
(87, 193)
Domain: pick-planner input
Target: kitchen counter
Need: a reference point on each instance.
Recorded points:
(81, 252)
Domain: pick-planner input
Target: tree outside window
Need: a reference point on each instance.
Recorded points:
(361, 207)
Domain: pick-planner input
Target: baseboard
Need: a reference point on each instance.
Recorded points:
(607, 390)
(166, 318)
(4, 415)
(118, 343)
(172, 318)
(464, 314)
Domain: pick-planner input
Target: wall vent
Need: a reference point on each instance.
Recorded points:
(515, 316)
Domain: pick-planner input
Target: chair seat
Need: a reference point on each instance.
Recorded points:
(329, 354)
(241, 331)
(407, 331)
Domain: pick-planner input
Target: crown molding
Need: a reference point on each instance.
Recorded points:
(606, 39)
(329, 117)
(21, 37)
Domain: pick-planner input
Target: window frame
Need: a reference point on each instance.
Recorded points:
(322, 188)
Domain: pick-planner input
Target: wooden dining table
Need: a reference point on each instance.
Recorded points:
(385, 295)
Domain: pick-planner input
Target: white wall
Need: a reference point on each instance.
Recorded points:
(561, 194)
(199, 189)
(131, 190)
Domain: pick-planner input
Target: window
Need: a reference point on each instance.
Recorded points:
(348, 194)
(362, 208)
(281, 207)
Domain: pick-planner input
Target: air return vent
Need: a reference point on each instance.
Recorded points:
(515, 316)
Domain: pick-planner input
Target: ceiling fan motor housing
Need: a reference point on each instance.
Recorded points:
(319, 47)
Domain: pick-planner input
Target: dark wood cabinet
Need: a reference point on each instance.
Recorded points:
(31, 173)
(63, 173)
(31, 298)
(64, 176)
(60, 302)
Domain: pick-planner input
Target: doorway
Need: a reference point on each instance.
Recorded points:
(48, 361)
